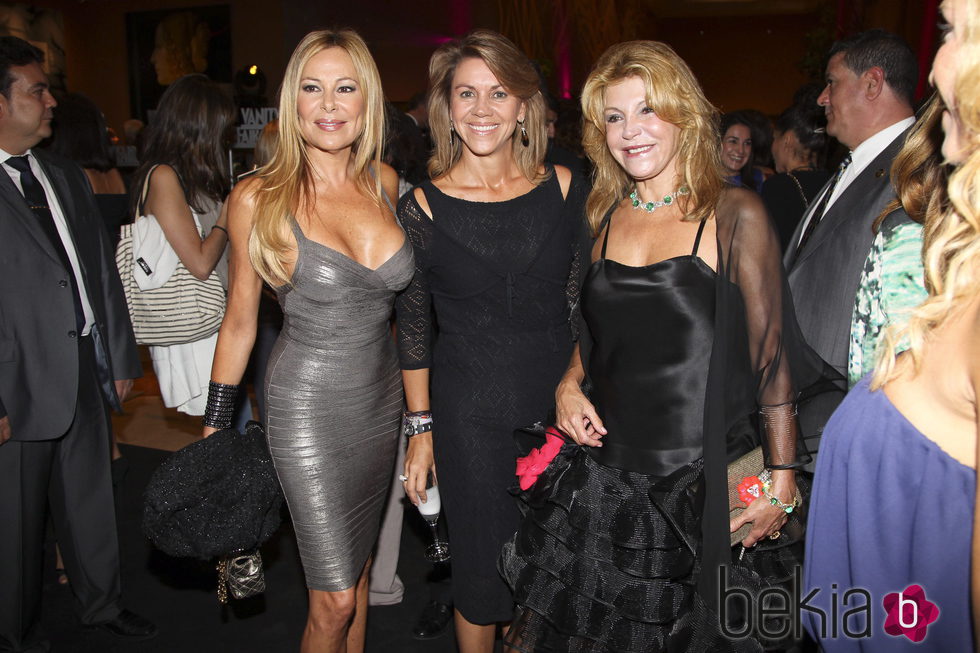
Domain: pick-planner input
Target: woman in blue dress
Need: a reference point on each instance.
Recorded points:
(894, 492)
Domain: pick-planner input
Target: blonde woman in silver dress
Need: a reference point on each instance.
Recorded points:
(316, 224)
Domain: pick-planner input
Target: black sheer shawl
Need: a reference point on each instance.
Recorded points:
(760, 363)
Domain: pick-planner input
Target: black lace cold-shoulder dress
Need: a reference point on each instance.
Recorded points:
(498, 278)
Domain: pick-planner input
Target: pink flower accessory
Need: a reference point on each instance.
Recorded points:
(750, 489)
(529, 467)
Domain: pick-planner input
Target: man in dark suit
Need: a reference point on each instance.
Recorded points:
(871, 79)
(66, 349)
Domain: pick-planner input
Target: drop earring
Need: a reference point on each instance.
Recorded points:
(452, 134)
(525, 141)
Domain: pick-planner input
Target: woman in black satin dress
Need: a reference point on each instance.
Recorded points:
(687, 334)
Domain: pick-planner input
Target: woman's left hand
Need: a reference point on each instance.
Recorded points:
(767, 519)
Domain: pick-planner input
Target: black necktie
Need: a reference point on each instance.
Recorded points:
(821, 208)
(38, 203)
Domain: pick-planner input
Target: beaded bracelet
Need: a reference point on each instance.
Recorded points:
(415, 422)
(220, 406)
(766, 478)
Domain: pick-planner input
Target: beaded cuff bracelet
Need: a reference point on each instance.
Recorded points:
(220, 406)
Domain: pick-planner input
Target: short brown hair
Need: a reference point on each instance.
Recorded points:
(514, 72)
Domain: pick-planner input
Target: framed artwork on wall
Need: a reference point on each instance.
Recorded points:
(42, 28)
(165, 45)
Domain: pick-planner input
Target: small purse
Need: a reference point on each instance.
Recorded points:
(747, 467)
(240, 574)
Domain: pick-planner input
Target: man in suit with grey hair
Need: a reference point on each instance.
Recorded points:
(871, 78)
(66, 352)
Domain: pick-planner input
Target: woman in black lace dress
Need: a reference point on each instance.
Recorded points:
(687, 334)
(494, 236)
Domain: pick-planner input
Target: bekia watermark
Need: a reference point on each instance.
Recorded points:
(909, 613)
(776, 613)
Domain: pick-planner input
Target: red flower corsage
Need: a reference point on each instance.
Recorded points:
(749, 489)
(530, 466)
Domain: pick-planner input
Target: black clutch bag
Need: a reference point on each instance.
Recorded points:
(214, 497)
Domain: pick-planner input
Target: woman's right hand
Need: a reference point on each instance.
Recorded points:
(208, 430)
(575, 415)
(418, 463)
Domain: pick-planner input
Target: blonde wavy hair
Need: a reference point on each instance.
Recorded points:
(286, 182)
(952, 254)
(514, 72)
(674, 93)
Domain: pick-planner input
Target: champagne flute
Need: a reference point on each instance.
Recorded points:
(438, 551)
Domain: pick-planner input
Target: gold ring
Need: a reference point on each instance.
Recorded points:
(775, 535)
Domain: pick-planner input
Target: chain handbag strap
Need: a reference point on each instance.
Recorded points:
(799, 187)
(222, 569)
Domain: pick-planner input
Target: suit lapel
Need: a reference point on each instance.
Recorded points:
(865, 188)
(19, 211)
(65, 199)
(62, 193)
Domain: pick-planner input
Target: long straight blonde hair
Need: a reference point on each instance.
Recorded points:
(952, 256)
(674, 93)
(286, 182)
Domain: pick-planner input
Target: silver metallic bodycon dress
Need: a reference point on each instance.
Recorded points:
(334, 398)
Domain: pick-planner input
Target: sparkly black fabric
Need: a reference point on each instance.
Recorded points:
(214, 496)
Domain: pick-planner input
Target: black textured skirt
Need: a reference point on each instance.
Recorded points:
(607, 560)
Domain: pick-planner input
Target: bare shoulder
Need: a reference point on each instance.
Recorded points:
(245, 193)
(564, 179)
(972, 345)
(389, 183)
(243, 200)
(165, 196)
(421, 200)
(163, 177)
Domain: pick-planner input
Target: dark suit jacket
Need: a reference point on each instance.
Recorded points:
(38, 344)
(825, 278)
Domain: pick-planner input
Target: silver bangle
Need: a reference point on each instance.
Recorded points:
(415, 422)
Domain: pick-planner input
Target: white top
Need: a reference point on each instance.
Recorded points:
(60, 223)
(183, 371)
(861, 156)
